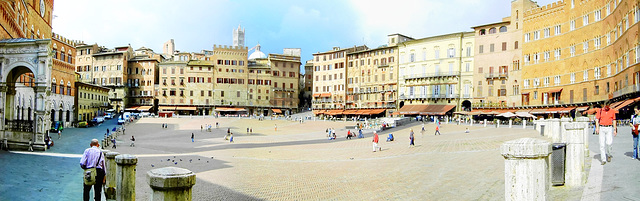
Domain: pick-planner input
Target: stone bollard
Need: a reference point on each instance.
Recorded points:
(554, 130)
(526, 169)
(171, 183)
(485, 123)
(110, 185)
(564, 121)
(510, 123)
(574, 164)
(524, 124)
(471, 122)
(126, 177)
(587, 131)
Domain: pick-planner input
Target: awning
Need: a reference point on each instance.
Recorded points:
(412, 109)
(318, 112)
(555, 90)
(436, 109)
(167, 108)
(376, 111)
(583, 108)
(591, 111)
(523, 111)
(132, 108)
(191, 108)
(317, 95)
(325, 95)
(144, 108)
(350, 112)
(624, 104)
(395, 113)
(559, 110)
(276, 111)
(229, 109)
(334, 112)
(539, 111)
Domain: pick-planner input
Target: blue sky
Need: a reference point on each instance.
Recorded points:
(313, 26)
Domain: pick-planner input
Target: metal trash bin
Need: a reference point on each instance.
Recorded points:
(558, 163)
(542, 130)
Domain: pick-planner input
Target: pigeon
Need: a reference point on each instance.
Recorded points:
(168, 159)
(180, 159)
(152, 165)
(198, 159)
(212, 157)
(207, 161)
(174, 156)
(175, 163)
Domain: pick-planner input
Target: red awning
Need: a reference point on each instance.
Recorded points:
(555, 90)
(318, 112)
(376, 111)
(624, 104)
(276, 111)
(317, 95)
(325, 95)
(436, 109)
(539, 111)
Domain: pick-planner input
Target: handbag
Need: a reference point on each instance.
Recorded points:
(634, 130)
(89, 175)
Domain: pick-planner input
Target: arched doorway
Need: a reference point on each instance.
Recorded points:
(466, 105)
(24, 71)
(401, 104)
(53, 115)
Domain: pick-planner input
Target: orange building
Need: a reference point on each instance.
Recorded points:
(63, 78)
(579, 53)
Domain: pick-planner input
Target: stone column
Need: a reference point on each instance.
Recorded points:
(554, 130)
(110, 185)
(510, 123)
(574, 164)
(526, 169)
(126, 177)
(485, 122)
(587, 131)
(171, 183)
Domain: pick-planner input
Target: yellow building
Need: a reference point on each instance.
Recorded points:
(91, 101)
(436, 74)
(372, 80)
(577, 53)
(230, 94)
(142, 76)
(329, 82)
(498, 59)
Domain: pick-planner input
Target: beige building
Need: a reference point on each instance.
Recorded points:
(230, 94)
(498, 59)
(91, 101)
(436, 74)
(142, 77)
(372, 82)
(329, 82)
(307, 87)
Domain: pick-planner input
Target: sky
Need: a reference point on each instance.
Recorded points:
(314, 25)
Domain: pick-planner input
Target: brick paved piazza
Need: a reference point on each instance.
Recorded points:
(298, 162)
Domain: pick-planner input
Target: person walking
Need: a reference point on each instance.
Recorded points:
(634, 123)
(93, 158)
(375, 142)
(113, 140)
(192, 137)
(411, 139)
(60, 133)
(437, 130)
(133, 140)
(201, 128)
(605, 126)
(422, 132)
(276, 127)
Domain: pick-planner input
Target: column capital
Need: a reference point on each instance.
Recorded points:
(171, 178)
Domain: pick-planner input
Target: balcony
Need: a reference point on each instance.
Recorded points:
(429, 96)
(496, 75)
(431, 75)
(626, 90)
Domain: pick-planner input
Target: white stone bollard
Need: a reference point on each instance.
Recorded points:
(587, 131)
(555, 130)
(110, 185)
(471, 122)
(171, 183)
(510, 123)
(564, 121)
(126, 177)
(574, 164)
(485, 123)
(526, 169)
(524, 124)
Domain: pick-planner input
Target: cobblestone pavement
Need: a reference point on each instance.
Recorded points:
(296, 162)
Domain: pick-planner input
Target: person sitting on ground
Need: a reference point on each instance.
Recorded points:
(466, 131)
(390, 137)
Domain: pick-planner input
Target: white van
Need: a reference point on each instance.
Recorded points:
(126, 116)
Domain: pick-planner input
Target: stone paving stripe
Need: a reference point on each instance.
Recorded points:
(48, 154)
(594, 182)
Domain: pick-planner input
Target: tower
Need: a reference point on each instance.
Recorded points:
(168, 48)
(238, 37)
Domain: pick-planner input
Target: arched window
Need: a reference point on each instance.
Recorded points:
(53, 86)
(492, 30)
(503, 29)
(483, 32)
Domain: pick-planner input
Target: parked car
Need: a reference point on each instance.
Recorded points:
(120, 121)
(83, 124)
(92, 123)
(145, 114)
(108, 116)
(99, 119)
